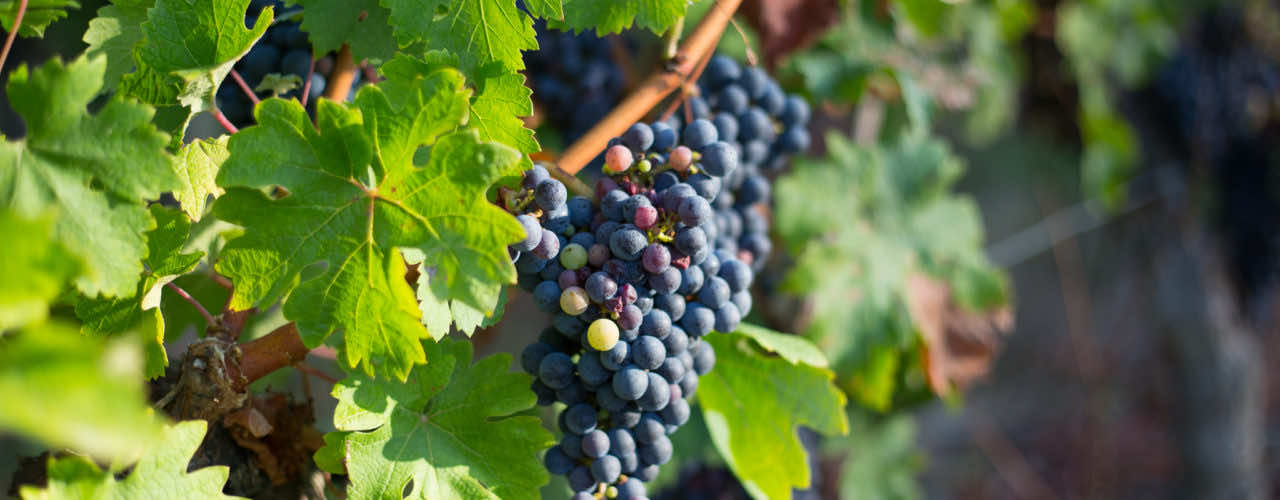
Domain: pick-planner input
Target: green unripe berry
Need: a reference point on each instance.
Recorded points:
(644, 166)
(602, 334)
(573, 256)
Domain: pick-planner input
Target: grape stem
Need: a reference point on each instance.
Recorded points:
(244, 86)
(306, 86)
(657, 86)
(194, 303)
(13, 33)
(344, 74)
(673, 39)
(222, 119)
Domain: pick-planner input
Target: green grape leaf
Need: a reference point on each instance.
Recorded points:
(161, 472)
(35, 267)
(613, 17)
(496, 113)
(165, 260)
(197, 165)
(438, 312)
(454, 429)
(278, 84)
(354, 194)
(753, 402)
(480, 32)
(97, 169)
(198, 42)
(69, 391)
(546, 9)
(115, 33)
(793, 348)
(361, 24)
(903, 220)
(39, 15)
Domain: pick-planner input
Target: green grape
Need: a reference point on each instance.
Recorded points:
(573, 256)
(602, 334)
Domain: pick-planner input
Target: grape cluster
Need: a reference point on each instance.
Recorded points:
(633, 284)
(766, 126)
(284, 49)
(574, 79)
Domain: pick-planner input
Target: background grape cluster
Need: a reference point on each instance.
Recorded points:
(575, 78)
(752, 113)
(284, 50)
(633, 283)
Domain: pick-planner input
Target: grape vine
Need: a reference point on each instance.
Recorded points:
(373, 203)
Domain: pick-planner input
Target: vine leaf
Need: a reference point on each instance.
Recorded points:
(439, 313)
(904, 221)
(454, 430)
(34, 266)
(363, 25)
(99, 169)
(753, 402)
(40, 14)
(197, 42)
(613, 17)
(115, 33)
(159, 473)
(546, 9)
(480, 32)
(495, 109)
(496, 112)
(75, 392)
(164, 262)
(354, 194)
(197, 165)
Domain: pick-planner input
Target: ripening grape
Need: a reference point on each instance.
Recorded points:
(618, 158)
(602, 334)
(574, 301)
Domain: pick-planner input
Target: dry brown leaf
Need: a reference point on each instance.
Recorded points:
(786, 26)
(959, 345)
(279, 434)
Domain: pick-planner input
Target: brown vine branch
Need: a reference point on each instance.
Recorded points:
(344, 75)
(13, 33)
(698, 45)
(278, 349)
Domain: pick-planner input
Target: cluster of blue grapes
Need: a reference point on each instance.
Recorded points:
(284, 49)
(634, 283)
(751, 112)
(574, 79)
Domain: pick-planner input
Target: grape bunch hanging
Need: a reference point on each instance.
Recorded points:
(752, 113)
(634, 283)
